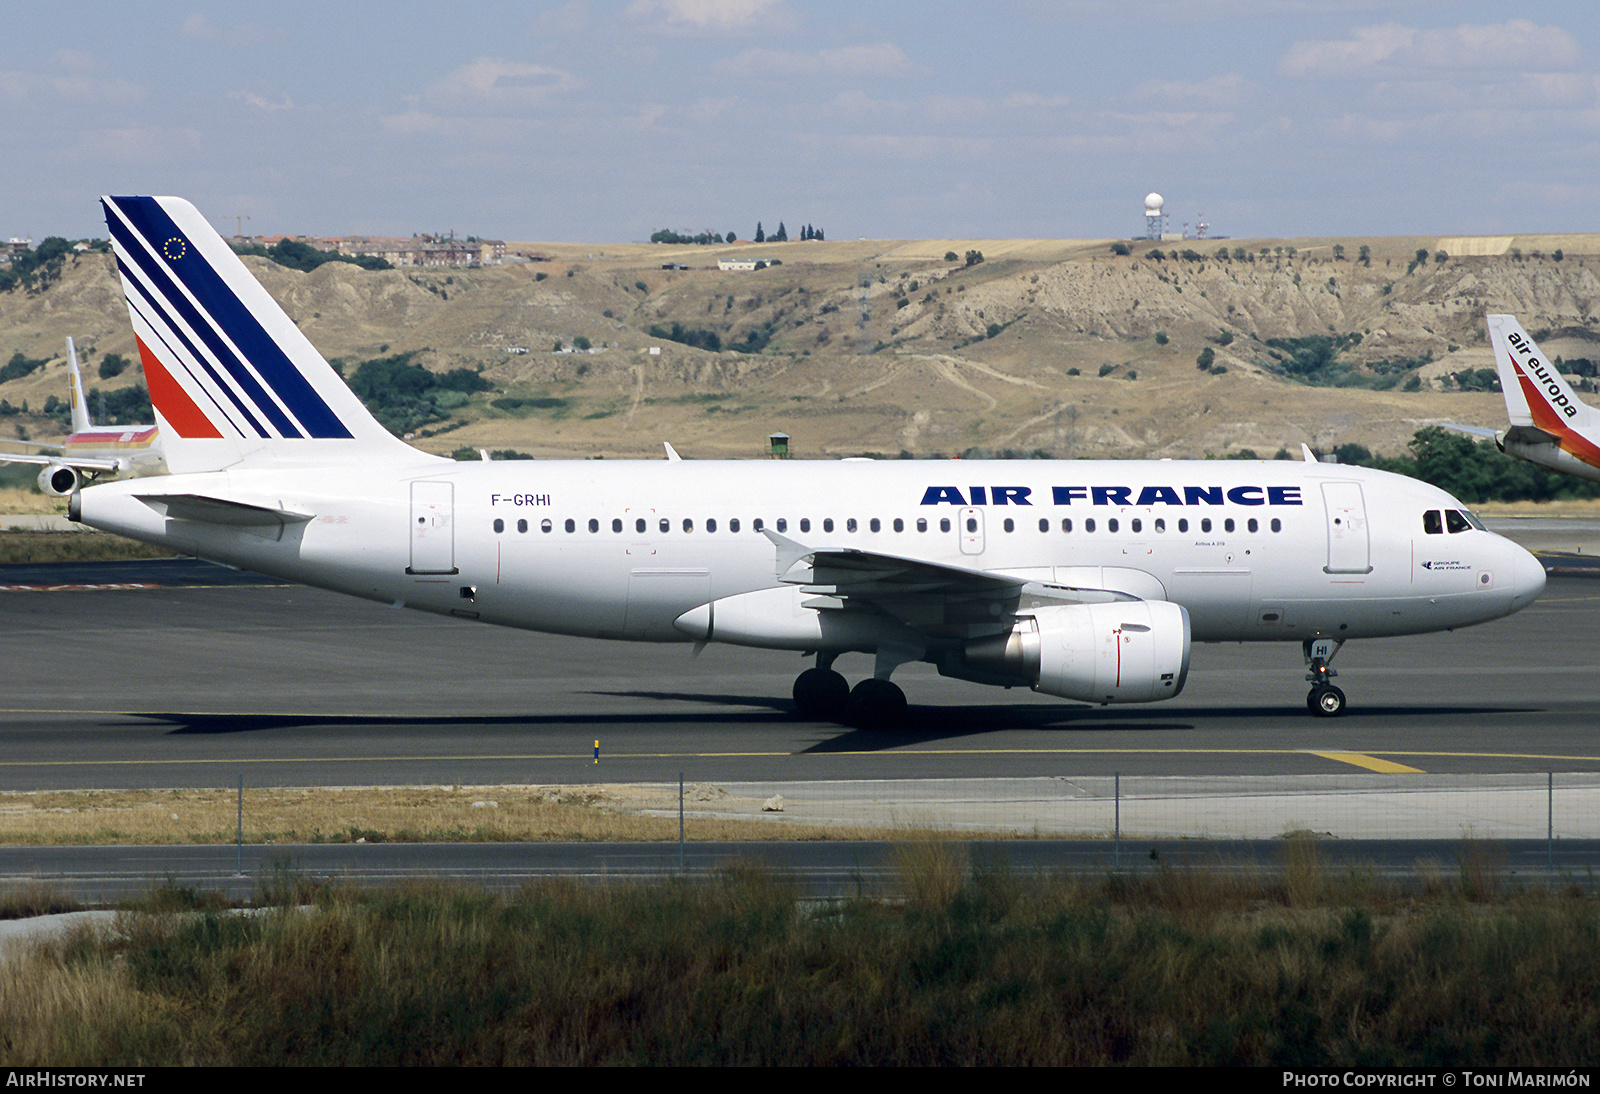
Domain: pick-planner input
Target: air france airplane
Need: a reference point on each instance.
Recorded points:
(91, 452)
(1082, 580)
(1550, 425)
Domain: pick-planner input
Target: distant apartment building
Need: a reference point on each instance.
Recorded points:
(420, 250)
(424, 250)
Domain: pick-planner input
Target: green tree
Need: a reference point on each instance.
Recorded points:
(1206, 358)
(761, 233)
(974, 257)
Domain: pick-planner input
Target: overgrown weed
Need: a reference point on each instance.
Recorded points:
(973, 963)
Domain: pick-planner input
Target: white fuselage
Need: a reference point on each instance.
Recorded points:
(1257, 551)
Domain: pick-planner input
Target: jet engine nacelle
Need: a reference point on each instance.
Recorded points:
(1133, 651)
(58, 480)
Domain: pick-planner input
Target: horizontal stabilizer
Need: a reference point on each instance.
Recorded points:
(205, 510)
(57, 461)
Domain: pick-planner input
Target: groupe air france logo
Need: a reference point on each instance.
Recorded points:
(174, 248)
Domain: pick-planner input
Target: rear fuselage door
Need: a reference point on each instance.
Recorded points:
(433, 534)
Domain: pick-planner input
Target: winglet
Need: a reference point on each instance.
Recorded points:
(789, 552)
(672, 453)
(1305, 450)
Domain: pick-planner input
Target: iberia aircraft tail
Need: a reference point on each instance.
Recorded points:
(1550, 425)
(233, 381)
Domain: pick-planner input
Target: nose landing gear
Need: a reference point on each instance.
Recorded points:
(1324, 699)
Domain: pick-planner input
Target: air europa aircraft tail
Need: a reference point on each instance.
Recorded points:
(1550, 425)
(233, 381)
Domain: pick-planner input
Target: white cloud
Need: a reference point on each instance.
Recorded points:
(1029, 100)
(1218, 91)
(261, 102)
(508, 83)
(703, 14)
(1514, 44)
(201, 29)
(883, 59)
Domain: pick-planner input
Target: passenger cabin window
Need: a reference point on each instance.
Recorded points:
(944, 524)
(638, 526)
(688, 525)
(711, 524)
(1010, 525)
(499, 525)
(899, 525)
(733, 524)
(666, 525)
(850, 525)
(522, 526)
(1044, 524)
(545, 525)
(594, 525)
(783, 524)
(805, 524)
(571, 525)
(827, 524)
(922, 524)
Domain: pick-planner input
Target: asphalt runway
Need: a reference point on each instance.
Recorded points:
(199, 682)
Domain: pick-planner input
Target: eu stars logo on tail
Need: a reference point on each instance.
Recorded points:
(229, 372)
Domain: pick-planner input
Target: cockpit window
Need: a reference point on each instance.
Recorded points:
(1433, 523)
(1456, 521)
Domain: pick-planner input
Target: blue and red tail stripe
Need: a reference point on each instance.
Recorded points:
(230, 357)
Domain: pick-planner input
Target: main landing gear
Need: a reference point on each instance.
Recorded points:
(874, 703)
(1324, 699)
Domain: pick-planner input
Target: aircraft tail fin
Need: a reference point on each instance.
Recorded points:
(233, 381)
(1536, 393)
(80, 406)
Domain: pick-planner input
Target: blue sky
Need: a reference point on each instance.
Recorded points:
(602, 121)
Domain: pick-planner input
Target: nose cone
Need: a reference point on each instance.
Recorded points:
(1527, 577)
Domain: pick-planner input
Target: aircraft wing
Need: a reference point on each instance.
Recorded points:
(919, 593)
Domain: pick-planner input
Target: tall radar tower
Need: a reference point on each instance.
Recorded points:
(1152, 215)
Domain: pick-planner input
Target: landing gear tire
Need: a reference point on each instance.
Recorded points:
(821, 694)
(1326, 701)
(876, 704)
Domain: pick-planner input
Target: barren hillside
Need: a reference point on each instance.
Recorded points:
(875, 346)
